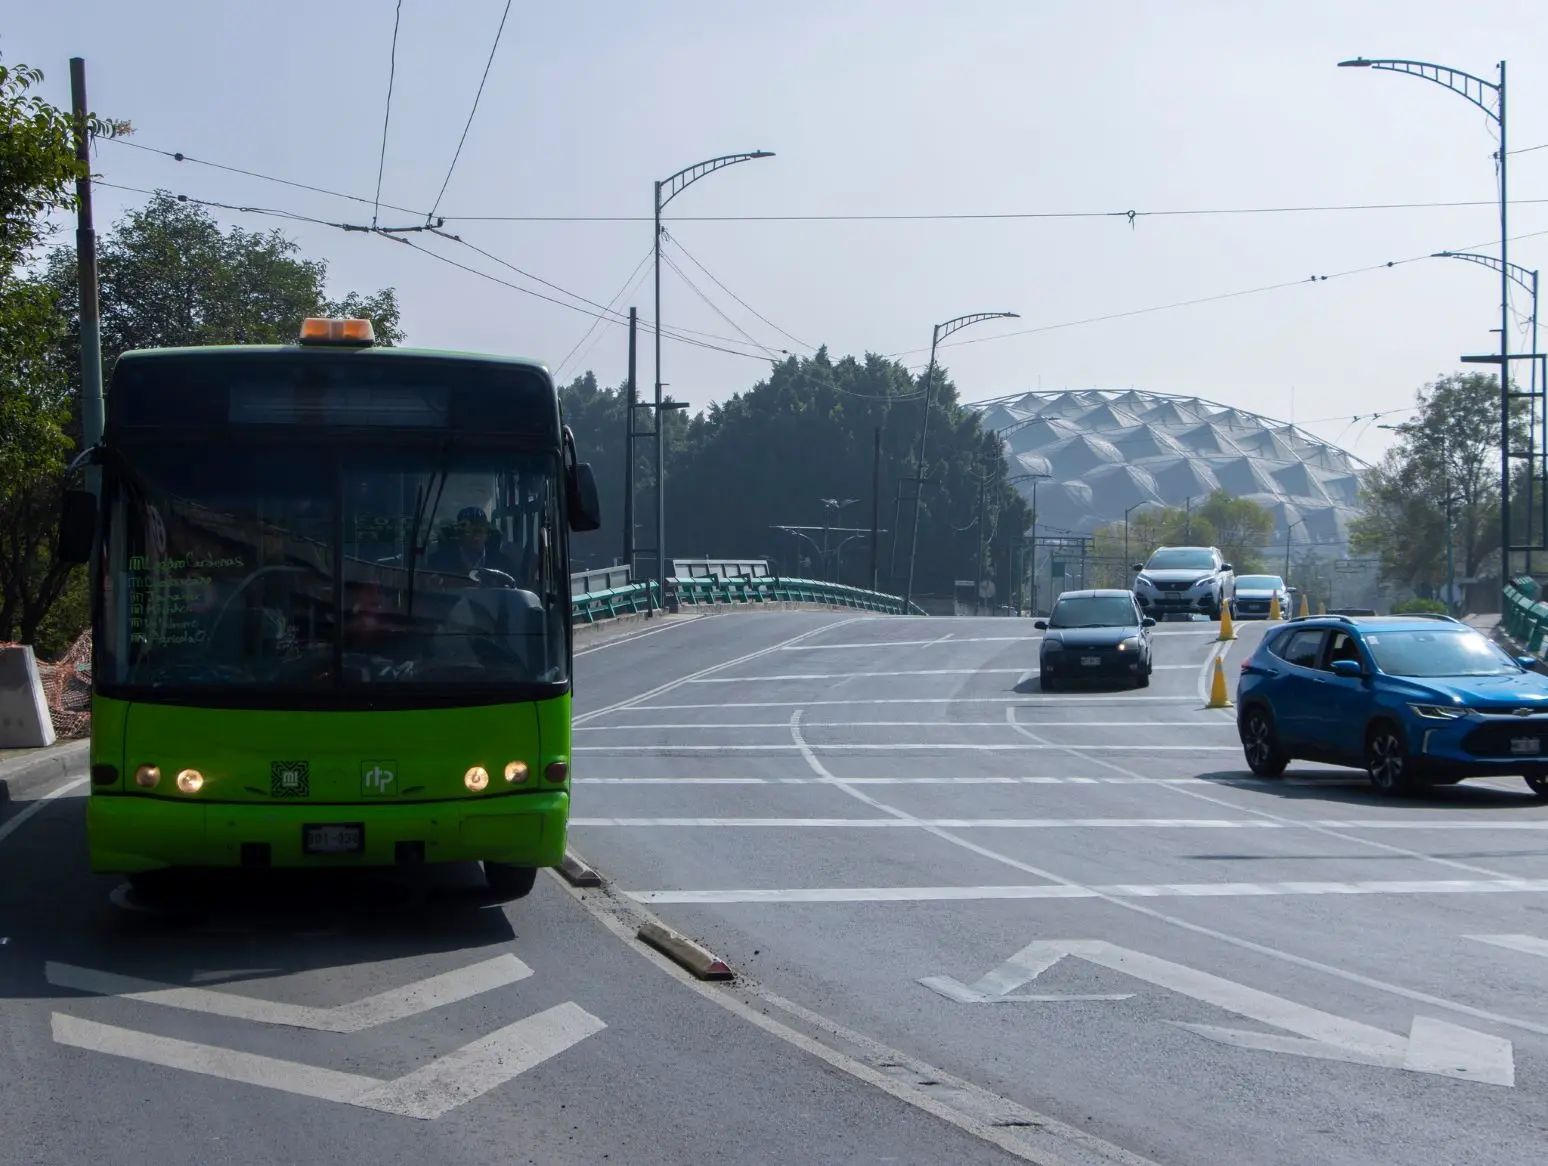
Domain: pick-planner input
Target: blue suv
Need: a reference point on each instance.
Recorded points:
(1412, 700)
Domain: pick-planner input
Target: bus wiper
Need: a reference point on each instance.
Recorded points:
(416, 546)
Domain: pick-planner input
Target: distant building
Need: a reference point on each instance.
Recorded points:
(1107, 450)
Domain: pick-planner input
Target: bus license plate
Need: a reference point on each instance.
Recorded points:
(335, 838)
(1526, 745)
(1090, 661)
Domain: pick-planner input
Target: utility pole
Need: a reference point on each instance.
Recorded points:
(86, 271)
(978, 587)
(628, 506)
(876, 508)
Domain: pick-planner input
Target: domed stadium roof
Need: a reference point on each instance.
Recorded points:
(1107, 451)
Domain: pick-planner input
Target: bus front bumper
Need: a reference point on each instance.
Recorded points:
(127, 834)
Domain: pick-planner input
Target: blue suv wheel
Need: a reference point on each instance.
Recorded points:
(1261, 744)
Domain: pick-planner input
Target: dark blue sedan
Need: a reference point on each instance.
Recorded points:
(1095, 635)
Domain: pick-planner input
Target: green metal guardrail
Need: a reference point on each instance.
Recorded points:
(601, 605)
(1525, 616)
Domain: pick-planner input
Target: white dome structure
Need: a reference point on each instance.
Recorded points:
(1106, 451)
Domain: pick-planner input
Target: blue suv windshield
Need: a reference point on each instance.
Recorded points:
(1441, 652)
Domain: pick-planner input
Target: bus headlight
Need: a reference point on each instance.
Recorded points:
(476, 779)
(147, 776)
(516, 772)
(190, 781)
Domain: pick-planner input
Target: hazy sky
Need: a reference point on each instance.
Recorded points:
(873, 108)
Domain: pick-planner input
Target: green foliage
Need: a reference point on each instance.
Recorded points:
(769, 456)
(1417, 606)
(38, 169)
(1239, 527)
(1451, 448)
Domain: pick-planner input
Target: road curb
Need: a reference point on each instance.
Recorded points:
(684, 952)
(22, 775)
(577, 873)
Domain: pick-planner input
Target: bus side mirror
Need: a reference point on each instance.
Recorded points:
(77, 526)
(585, 509)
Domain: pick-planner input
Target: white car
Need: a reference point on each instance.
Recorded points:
(1255, 595)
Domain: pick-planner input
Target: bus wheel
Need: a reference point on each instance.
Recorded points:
(510, 882)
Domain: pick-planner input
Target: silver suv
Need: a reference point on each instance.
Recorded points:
(1184, 580)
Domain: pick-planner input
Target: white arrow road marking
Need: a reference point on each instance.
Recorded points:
(1432, 1046)
(426, 1093)
(1527, 943)
(384, 1007)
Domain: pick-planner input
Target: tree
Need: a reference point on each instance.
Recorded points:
(38, 168)
(1451, 449)
(767, 458)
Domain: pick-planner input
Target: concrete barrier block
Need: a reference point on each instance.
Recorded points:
(24, 719)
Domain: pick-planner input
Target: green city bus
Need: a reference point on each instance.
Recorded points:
(330, 609)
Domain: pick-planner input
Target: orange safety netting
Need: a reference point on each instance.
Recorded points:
(67, 688)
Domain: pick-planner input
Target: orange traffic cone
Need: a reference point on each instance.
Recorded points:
(1218, 698)
(1227, 632)
(1305, 608)
(1274, 612)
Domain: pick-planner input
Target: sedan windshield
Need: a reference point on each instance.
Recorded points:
(1439, 653)
(255, 567)
(1259, 583)
(1095, 611)
(1181, 559)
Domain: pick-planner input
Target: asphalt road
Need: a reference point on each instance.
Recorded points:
(972, 923)
(1082, 901)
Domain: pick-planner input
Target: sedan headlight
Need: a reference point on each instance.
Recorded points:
(1129, 645)
(1052, 646)
(1438, 712)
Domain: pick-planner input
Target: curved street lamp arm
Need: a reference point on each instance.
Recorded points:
(944, 330)
(687, 176)
(1527, 279)
(1471, 87)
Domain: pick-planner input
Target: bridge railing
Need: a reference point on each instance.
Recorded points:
(609, 603)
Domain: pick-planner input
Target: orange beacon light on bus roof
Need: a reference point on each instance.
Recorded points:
(323, 330)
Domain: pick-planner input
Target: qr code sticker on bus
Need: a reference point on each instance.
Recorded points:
(290, 779)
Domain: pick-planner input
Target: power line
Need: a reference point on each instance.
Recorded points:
(392, 74)
(714, 307)
(1130, 215)
(630, 282)
(803, 344)
(476, 98)
(1194, 302)
(179, 156)
(611, 319)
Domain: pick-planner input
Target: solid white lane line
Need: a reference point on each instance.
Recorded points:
(1066, 823)
(941, 780)
(1126, 904)
(1386, 847)
(784, 726)
(629, 638)
(914, 643)
(887, 700)
(792, 676)
(18, 820)
(1530, 944)
(1118, 893)
(665, 750)
(662, 689)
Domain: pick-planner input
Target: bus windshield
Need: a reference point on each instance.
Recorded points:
(357, 568)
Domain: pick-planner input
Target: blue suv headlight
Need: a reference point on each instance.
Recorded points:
(1438, 712)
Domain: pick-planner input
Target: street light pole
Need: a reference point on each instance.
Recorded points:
(940, 332)
(674, 186)
(1126, 513)
(1529, 281)
(1478, 91)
